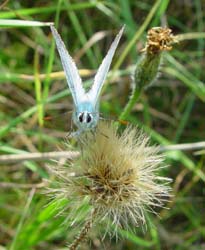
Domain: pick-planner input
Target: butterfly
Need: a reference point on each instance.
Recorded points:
(86, 104)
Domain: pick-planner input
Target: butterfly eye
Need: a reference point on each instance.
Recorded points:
(80, 117)
(89, 118)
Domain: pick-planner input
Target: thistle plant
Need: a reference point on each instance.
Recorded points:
(117, 175)
(147, 68)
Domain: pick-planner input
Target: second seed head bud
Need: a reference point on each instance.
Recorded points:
(158, 40)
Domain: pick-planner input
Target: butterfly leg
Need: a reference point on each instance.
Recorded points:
(75, 134)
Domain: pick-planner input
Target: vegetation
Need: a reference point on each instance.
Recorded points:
(35, 105)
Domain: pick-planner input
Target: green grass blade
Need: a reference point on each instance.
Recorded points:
(179, 71)
(48, 9)
(51, 55)
(128, 19)
(38, 90)
(22, 23)
(80, 33)
(184, 118)
(160, 12)
(190, 36)
(23, 217)
(135, 239)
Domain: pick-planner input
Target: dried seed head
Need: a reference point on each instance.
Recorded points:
(117, 174)
(147, 67)
(159, 39)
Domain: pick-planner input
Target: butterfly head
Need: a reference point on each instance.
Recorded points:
(85, 116)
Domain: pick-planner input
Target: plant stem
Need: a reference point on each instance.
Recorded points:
(133, 99)
(83, 233)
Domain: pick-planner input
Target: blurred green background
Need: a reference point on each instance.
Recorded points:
(35, 105)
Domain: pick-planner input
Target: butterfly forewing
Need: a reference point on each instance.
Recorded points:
(73, 78)
(102, 72)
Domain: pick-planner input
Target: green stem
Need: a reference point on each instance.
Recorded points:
(133, 99)
(145, 73)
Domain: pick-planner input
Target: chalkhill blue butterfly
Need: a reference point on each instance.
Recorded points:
(86, 104)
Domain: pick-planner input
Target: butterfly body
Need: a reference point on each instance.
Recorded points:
(86, 104)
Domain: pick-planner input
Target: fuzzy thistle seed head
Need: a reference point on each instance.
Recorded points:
(117, 174)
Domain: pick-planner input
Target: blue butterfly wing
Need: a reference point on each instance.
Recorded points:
(73, 78)
(102, 72)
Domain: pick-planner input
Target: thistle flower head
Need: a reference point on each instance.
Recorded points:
(117, 174)
(159, 39)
